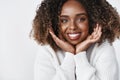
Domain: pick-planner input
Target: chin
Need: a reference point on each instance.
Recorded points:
(74, 43)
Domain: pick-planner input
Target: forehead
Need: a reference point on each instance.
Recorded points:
(72, 6)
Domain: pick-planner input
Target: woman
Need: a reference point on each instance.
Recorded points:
(76, 38)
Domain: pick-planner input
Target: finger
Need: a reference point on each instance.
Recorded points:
(94, 32)
(97, 38)
(55, 38)
(97, 30)
(98, 34)
(61, 37)
(50, 30)
(100, 28)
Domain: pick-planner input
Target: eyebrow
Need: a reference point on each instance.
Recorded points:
(82, 14)
(76, 15)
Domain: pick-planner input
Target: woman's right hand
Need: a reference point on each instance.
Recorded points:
(61, 43)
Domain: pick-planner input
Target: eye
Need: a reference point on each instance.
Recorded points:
(63, 21)
(81, 19)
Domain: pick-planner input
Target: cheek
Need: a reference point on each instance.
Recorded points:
(84, 26)
(64, 32)
(85, 31)
(87, 27)
(63, 28)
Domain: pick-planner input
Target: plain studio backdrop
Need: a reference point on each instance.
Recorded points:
(17, 50)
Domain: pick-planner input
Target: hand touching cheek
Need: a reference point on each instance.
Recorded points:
(93, 38)
(64, 45)
(83, 46)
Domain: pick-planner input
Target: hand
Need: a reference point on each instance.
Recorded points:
(64, 45)
(94, 37)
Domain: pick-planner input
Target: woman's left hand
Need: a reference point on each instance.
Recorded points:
(94, 37)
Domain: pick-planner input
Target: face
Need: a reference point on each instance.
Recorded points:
(74, 24)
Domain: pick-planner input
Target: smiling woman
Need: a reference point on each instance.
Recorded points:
(74, 22)
(76, 38)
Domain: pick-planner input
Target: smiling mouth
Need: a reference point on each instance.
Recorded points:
(74, 36)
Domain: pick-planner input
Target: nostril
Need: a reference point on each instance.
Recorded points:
(73, 27)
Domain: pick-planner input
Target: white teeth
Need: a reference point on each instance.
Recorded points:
(74, 35)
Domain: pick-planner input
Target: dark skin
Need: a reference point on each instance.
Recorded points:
(74, 27)
(83, 46)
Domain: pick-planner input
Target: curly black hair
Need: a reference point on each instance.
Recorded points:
(99, 11)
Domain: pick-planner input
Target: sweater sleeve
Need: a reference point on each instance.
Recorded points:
(105, 67)
(46, 69)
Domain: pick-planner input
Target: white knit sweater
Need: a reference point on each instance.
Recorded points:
(97, 63)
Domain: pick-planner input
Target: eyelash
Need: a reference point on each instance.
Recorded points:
(81, 19)
(63, 20)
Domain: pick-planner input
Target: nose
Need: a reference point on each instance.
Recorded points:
(72, 25)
